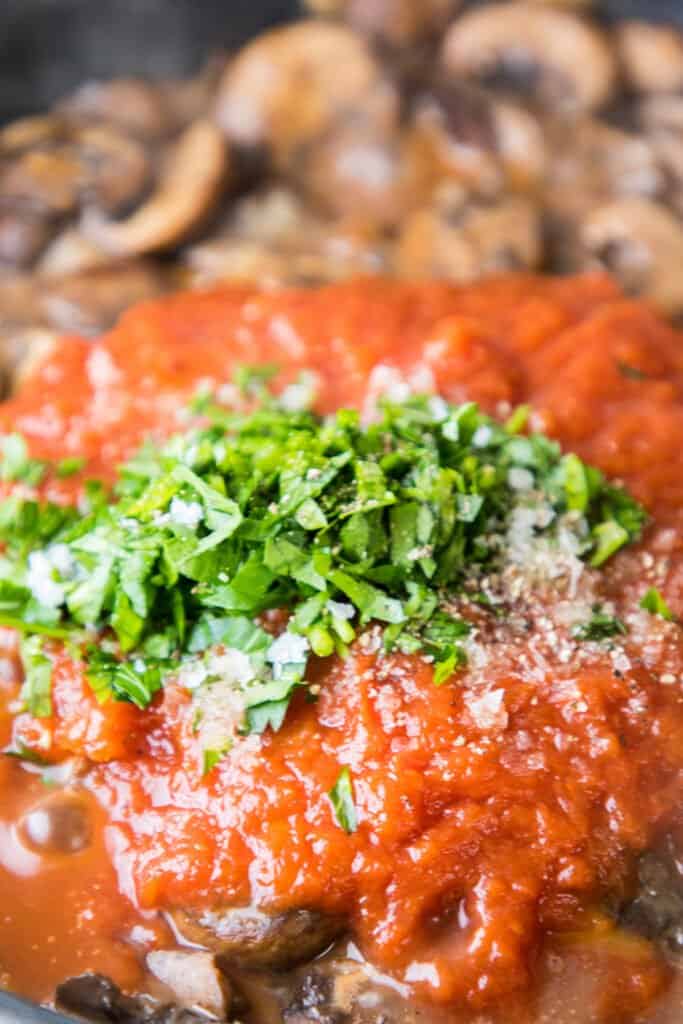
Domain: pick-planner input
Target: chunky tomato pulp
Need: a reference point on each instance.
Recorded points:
(485, 826)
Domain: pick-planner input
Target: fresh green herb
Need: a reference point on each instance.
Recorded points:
(340, 523)
(71, 466)
(36, 690)
(653, 602)
(341, 798)
(600, 626)
(15, 463)
(518, 419)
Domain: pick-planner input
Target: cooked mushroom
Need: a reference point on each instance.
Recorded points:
(248, 937)
(45, 180)
(29, 131)
(461, 240)
(115, 167)
(641, 242)
(357, 171)
(192, 182)
(289, 86)
(478, 140)
(657, 907)
(95, 998)
(23, 235)
(60, 824)
(399, 22)
(651, 56)
(193, 978)
(566, 62)
(91, 301)
(135, 105)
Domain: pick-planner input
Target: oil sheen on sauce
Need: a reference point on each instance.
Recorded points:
(493, 831)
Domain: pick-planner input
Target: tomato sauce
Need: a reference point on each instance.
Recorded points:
(487, 834)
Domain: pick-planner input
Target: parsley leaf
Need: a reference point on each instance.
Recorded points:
(653, 602)
(600, 626)
(341, 798)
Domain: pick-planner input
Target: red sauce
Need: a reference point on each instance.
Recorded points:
(475, 841)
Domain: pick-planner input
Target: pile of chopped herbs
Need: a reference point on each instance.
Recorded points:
(340, 523)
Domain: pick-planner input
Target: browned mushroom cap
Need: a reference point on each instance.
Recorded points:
(23, 236)
(48, 181)
(357, 171)
(641, 242)
(399, 22)
(566, 63)
(288, 87)
(191, 184)
(91, 301)
(651, 56)
(137, 106)
(115, 167)
(481, 141)
(28, 132)
(245, 936)
(193, 978)
(461, 240)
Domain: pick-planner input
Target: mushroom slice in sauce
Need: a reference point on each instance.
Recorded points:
(566, 62)
(194, 978)
(192, 182)
(248, 937)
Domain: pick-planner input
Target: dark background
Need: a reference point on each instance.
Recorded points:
(48, 47)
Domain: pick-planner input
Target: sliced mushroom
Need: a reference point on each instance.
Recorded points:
(95, 998)
(23, 236)
(248, 937)
(461, 240)
(651, 56)
(61, 824)
(28, 132)
(338, 990)
(566, 61)
(481, 141)
(358, 171)
(641, 242)
(47, 181)
(289, 86)
(135, 105)
(90, 302)
(116, 168)
(192, 183)
(399, 22)
(194, 979)
(70, 252)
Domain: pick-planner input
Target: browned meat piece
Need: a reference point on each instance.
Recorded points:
(247, 937)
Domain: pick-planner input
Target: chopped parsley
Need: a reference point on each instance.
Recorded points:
(341, 798)
(15, 463)
(653, 602)
(340, 523)
(600, 626)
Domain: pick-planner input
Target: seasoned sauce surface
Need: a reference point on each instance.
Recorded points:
(500, 815)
